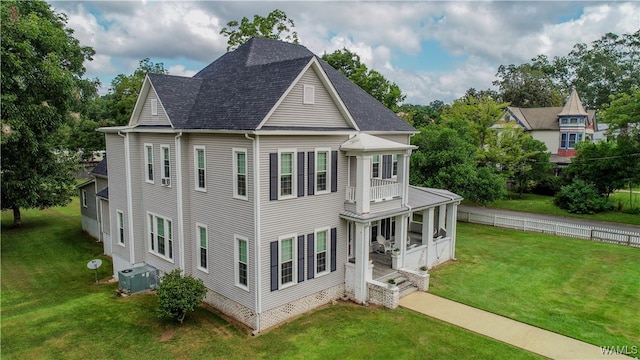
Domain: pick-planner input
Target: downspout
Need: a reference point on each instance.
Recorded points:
(256, 227)
(178, 145)
(127, 162)
(98, 210)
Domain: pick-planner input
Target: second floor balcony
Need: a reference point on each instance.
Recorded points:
(379, 190)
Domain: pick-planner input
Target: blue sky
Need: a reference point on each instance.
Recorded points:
(432, 50)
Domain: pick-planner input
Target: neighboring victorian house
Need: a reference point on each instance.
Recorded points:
(560, 128)
(94, 204)
(273, 178)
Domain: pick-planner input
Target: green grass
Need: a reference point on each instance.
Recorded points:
(52, 308)
(586, 290)
(541, 204)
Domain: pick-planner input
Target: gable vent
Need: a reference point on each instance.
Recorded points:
(154, 107)
(309, 94)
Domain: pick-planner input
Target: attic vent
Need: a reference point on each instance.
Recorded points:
(154, 107)
(309, 94)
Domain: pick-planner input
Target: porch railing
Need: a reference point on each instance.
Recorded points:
(384, 189)
(381, 189)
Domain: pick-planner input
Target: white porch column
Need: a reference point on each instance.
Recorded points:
(403, 176)
(442, 210)
(362, 261)
(452, 217)
(427, 233)
(402, 228)
(363, 183)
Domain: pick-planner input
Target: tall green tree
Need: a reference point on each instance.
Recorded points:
(348, 63)
(419, 115)
(608, 165)
(521, 159)
(42, 82)
(623, 114)
(611, 65)
(125, 89)
(478, 113)
(613, 164)
(276, 25)
(445, 159)
(527, 86)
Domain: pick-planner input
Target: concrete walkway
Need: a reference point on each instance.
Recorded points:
(531, 338)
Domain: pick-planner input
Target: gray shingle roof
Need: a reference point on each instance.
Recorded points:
(237, 91)
(543, 118)
(104, 193)
(101, 168)
(573, 106)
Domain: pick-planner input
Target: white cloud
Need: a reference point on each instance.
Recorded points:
(487, 34)
(180, 70)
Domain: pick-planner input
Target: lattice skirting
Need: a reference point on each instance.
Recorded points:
(281, 313)
(231, 308)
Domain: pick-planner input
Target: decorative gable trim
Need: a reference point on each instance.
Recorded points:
(314, 63)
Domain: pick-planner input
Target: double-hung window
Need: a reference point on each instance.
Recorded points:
(242, 255)
(166, 165)
(394, 170)
(287, 174)
(160, 236)
(240, 173)
(201, 168)
(569, 140)
(148, 169)
(286, 261)
(375, 166)
(322, 251)
(322, 170)
(120, 217)
(203, 246)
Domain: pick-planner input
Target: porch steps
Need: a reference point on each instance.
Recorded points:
(404, 285)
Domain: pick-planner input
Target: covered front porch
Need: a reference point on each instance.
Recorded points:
(408, 241)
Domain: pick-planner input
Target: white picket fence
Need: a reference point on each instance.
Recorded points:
(621, 237)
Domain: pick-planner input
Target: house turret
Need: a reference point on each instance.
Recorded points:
(573, 123)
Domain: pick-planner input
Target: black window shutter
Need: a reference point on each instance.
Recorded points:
(300, 258)
(300, 174)
(334, 245)
(274, 265)
(334, 171)
(387, 166)
(312, 172)
(311, 253)
(273, 176)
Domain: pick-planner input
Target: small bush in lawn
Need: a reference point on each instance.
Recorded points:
(581, 197)
(549, 185)
(179, 294)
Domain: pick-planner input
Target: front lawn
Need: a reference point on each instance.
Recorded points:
(541, 204)
(52, 308)
(586, 290)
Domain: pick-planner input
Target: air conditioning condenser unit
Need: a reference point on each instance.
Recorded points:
(137, 279)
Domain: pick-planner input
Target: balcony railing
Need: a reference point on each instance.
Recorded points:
(381, 189)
